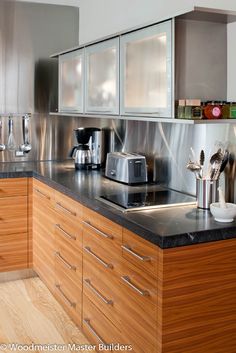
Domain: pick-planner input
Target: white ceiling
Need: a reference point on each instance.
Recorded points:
(56, 2)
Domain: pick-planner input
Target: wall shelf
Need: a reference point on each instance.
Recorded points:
(150, 119)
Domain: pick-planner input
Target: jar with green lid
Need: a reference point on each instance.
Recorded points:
(232, 110)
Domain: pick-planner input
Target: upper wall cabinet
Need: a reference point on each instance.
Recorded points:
(146, 71)
(71, 81)
(102, 77)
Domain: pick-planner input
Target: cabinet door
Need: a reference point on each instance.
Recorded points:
(71, 81)
(146, 71)
(102, 77)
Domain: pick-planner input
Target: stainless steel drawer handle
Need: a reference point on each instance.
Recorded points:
(128, 281)
(91, 329)
(102, 297)
(104, 235)
(105, 264)
(65, 209)
(72, 237)
(42, 194)
(129, 250)
(70, 303)
(58, 255)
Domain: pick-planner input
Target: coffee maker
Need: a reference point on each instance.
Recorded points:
(88, 154)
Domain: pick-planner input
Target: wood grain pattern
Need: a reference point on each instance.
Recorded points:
(144, 249)
(29, 313)
(69, 209)
(198, 304)
(11, 187)
(13, 252)
(13, 215)
(43, 193)
(30, 222)
(101, 330)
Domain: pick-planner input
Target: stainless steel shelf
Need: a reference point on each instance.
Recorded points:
(151, 119)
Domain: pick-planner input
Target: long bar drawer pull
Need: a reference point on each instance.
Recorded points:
(104, 299)
(73, 305)
(58, 255)
(72, 237)
(127, 280)
(128, 249)
(65, 209)
(104, 235)
(105, 264)
(91, 329)
(42, 194)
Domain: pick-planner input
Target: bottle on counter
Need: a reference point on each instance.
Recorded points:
(180, 111)
(232, 110)
(193, 109)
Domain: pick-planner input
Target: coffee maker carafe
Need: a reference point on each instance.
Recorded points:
(88, 154)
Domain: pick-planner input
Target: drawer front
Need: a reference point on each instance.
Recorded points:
(69, 260)
(13, 187)
(138, 306)
(42, 194)
(68, 294)
(67, 208)
(13, 252)
(44, 223)
(98, 329)
(140, 252)
(68, 232)
(106, 232)
(102, 258)
(13, 215)
(101, 288)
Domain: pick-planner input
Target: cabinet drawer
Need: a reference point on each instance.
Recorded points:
(44, 224)
(138, 306)
(68, 232)
(102, 258)
(98, 227)
(69, 260)
(99, 330)
(140, 252)
(42, 194)
(13, 215)
(68, 294)
(102, 289)
(13, 187)
(68, 209)
(13, 252)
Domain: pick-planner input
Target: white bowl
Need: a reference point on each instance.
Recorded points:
(226, 214)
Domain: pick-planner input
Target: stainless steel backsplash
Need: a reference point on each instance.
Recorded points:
(29, 33)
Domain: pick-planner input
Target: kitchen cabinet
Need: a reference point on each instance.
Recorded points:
(146, 71)
(71, 81)
(13, 224)
(102, 77)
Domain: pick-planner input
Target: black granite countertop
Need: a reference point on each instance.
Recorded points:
(166, 227)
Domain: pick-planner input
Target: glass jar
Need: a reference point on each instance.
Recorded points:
(181, 109)
(213, 110)
(225, 110)
(193, 109)
(232, 110)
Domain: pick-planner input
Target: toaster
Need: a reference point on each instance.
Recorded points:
(126, 167)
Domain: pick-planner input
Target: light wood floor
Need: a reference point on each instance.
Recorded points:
(30, 314)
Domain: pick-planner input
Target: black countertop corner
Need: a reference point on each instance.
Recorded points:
(165, 227)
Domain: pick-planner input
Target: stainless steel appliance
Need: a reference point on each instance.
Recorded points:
(126, 167)
(88, 154)
(147, 199)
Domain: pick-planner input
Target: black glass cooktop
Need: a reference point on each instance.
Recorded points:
(147, 200)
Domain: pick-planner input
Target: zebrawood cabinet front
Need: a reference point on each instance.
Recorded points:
(13, 224)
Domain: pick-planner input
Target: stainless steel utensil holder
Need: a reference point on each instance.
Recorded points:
(206, 192)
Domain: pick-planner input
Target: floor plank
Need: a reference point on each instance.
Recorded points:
(30, 314)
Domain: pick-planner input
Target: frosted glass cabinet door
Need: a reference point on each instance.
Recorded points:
(102, 77)
(146, 71)
(71, 81)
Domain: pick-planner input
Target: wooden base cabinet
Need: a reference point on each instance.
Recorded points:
(13, 224)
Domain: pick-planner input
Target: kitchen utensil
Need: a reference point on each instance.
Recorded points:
(216, 161)
(26, 146)
(195, 168)
(206, 192)
(201, 162)
(224, 161)
(221, 198)
(223, 214)
(11, 144)
(2, 146)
